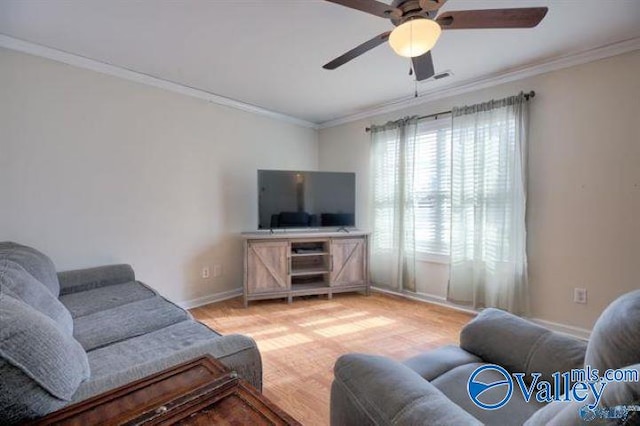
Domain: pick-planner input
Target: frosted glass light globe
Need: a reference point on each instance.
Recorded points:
(415, 37)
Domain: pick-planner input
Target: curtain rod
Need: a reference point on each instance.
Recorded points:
(527, 96)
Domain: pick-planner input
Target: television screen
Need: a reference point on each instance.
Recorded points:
(293, 199)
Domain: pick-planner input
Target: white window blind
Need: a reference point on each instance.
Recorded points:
(432, 187)
(430, 159)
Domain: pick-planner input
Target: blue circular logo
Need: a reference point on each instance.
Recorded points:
(476, 387)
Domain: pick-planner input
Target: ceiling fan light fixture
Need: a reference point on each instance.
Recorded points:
(414, 37)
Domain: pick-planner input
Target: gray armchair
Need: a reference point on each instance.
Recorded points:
(431, 388)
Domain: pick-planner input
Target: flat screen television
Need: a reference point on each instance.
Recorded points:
(297, 199)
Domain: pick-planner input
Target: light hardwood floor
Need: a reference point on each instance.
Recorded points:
(301, 342)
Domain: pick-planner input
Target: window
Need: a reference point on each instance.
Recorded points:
(430, 159)
(432, 187)
(454, 191)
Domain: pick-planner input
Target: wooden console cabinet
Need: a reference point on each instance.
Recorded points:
(285, 265)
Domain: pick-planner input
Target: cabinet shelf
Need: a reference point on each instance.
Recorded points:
(310, 288)
(321, 253)
(309, 271)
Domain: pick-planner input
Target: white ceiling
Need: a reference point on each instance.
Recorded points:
(270, 53)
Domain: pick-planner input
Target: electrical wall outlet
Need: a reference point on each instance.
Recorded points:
(206, 273)
(217, 270)
(580, 295)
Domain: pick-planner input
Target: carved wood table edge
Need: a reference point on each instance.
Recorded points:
(197, 392)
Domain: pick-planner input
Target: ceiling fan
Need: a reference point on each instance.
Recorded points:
(418, 26)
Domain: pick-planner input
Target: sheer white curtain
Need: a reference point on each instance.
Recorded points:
(393, 238)
(488, 204)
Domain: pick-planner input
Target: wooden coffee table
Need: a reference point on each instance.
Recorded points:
(198, 392)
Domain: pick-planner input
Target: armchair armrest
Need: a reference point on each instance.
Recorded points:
(518, 345)
(373, 390)
(101, 276)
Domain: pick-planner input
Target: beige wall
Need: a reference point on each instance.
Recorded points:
(95, 170)
(584, 183)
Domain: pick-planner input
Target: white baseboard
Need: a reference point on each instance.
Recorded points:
(571, 330)
(581, 333)
(211, 298)
(428, 298)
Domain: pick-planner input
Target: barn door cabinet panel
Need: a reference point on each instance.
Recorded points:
(285, 265)
(348, 262)
(268, 267)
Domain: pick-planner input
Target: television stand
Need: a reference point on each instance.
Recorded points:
(290, 264)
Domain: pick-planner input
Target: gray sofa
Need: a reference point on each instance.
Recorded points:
(431, 388)
(67, 336)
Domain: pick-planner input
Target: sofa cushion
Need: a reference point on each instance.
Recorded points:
(100, 299)
(454, 385)
(17, 282)
(34, 262)
(615, 339)
(432, 364)
(131, 359)
(126, 321)
(519, 345)
(31, 342)
(150, 346)
(21, 398)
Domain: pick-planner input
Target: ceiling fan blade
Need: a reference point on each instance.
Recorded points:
(357, 51)
(423, 66)
(371, 6)
(527, 17)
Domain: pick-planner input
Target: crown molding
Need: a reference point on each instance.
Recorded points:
(471, 85)
(466, 86)
(149, 80)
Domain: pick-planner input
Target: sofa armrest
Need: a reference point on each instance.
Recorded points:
(373, 390)
(101, 276)
(518, 345)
